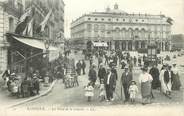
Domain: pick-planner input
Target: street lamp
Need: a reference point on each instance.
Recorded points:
(47, 45)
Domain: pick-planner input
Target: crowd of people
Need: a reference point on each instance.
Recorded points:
(21, 87)
(105, 71)
(151, 78)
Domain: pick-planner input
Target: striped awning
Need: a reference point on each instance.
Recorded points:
(34, 43)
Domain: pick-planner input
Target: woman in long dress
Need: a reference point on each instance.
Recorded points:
(163, 86)
(145, 80)
(176, 79)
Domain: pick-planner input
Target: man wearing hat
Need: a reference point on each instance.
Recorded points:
(126, 78)
(12, 76)
(92, 75)
(101, 73)
(6, 76)
(110, 84)
(113, 70)
(155, 74)
(36, 84)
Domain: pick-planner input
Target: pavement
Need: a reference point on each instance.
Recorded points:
(74, 97)
(9, 101)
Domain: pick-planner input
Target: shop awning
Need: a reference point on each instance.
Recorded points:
(100, 44)
(34, 43)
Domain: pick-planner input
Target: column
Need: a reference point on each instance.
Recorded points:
(160, 46)
(170, 45)
(127, 45)
(146, 44)
(120, 45)
(112, 45)
(133, 45)
(139, 44)
(163, 46)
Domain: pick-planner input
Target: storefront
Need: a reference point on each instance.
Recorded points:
(27, 54)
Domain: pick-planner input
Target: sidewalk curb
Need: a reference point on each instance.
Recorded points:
(35, 97)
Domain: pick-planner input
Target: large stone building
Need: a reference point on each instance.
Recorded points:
(10, 12)
(122, 30)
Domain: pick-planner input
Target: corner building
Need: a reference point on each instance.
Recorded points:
(122, 31)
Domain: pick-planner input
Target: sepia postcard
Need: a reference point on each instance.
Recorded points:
(91, 57)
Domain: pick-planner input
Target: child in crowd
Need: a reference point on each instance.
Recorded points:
(102, 92)
(133, 90)
(89, 91)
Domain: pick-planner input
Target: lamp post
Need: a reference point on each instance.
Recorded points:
(47, 45)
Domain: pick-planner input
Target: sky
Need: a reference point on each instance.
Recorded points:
(171, 8)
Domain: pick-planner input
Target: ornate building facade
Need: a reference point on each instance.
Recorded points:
(11, 11)
(122, 30)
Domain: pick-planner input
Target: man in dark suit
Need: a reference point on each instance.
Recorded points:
(154, 72)
(113, 70)
(110, 84)
(101, 73)
(83, 67)
(92, 75)
(126, 78)
(79, 67)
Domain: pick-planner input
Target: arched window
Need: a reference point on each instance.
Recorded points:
(117, 32)
(136, 33)
(103, 27)
(164, 35)
(89, 27)
(130, 31)
(123, 33)
(143, 33)
(126, 34)
(96, 27)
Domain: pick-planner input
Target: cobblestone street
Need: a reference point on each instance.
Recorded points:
(75, 96)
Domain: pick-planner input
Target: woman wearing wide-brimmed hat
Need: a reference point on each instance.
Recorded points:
(145, 80)
(176, 84)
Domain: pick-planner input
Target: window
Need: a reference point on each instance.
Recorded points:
(136, 20)
(96, 19)
(89, 27)
(89, 19)
(108, 32)
(109, 19)
(102, 27)
(123, 19)
(102, 19)
(142, 20)
(96, 27)
(11, 24)
(117, 19)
